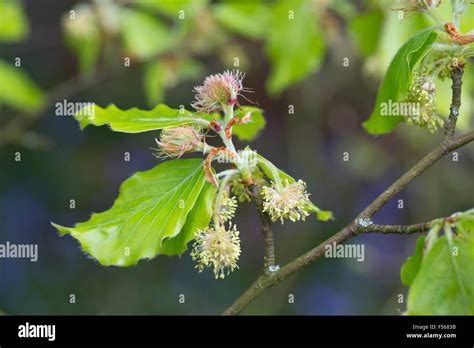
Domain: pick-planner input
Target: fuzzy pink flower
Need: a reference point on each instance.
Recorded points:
(176, 141)
(218, 90)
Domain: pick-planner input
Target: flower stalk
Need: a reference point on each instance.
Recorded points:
(220, 197)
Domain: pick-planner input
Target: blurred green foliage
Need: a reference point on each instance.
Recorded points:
(18, 90)
(13, 22)
(144, 36)
(293, 41)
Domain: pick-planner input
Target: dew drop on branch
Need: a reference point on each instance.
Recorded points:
(364, 222)
(273, 268)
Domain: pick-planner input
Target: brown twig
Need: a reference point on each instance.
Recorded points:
(456, 77)
(266, 223)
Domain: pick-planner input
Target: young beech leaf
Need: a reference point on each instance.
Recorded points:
(269, 169)
(412, 265)
(250, 130)
(198, 218)
(445, 282)
(366, 30)
(465, 230)
(397, 82)
(465, 227)
(135, 120)
(152, 206)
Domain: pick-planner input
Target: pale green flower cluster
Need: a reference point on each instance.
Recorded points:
(83, 24)
(423, 94)
(227, 208)
(291, 201)
(217, 248)
(240, 190)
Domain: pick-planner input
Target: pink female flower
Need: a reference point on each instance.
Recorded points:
(174, 142)
(218, 91)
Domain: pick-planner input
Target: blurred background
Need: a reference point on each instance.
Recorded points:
(326, 64)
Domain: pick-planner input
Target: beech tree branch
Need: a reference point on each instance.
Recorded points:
(395, 229)
(456, 77)
(266, 222)
(268, 280)
(404, 229)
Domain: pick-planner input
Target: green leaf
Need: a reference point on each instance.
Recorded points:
(271, 171)
(171, 8)
(444, 284)
(323, 215)
(249, 19)
(17, 90)
(198, 218)
(397, 81)
(189, 69)
(164, 74)
(13, 22)
(465, 225)
(366, 29)
(295, 47)
(135, 120)
(151, 207)
(249, 131)
(82, 34)
(393, 35)
(144, 35)
(412, 265)
(87, 50)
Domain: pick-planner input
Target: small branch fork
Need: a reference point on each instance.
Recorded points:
(396, 229)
